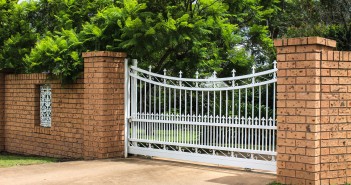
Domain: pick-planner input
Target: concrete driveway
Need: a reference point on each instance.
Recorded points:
(129, 171)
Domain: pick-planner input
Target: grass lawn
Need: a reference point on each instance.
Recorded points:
(8, 160)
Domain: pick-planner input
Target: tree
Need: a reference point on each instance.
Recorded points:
(25, 24)
(208, 35)
(326, 18)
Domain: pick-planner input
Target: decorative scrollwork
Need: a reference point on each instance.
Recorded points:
(45, 105)
(204, 151)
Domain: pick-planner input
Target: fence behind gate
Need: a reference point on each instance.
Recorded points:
(227, 121)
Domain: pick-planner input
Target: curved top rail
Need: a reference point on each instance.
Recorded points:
(271, 71)
(204, 88)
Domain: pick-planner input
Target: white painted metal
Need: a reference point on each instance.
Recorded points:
(45, 105)
(227, 121)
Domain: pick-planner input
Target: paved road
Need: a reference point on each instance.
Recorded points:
(129, 171)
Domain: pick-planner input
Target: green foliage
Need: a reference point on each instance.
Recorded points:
(325, 18)
(16, 34)
(58, 53)
(25, 24)
(208, 35)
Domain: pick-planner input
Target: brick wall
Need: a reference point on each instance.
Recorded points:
(87, 116)
(23, 132)
(104, 104)
(335, 117)
(313, 112)
(2, 112)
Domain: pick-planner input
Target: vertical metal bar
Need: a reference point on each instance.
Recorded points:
(149, 91)
(223, 129)
(175, 101)
(226, 117)
(255, 133)
(164, 105)
(140, 108)
(245, 117)
(202, 117)
(155, 100)
(156, 96)
(239, 105)
(220, 105)
(208, 104)
(140, 97)
(259, 115)
(242, 132)
(134, 99)
(159, 99)
(191, 103)
(197, 111)
(253, 115)
(135, 88)
(267, 119)
(191, 111)
(269, 136)
(274, 118)
(236, 131)
(165, 93)
(214, 103)
(185, 102)
(180, 102)
(240, 121)
(216, 136)
(145, 86)
(180, 94)
(274, 93)
(226, 105)
(202, 104)
(197, 105)
(169, 113)
(232, 133)
(175, 127)
(159, 112)
(245, 105)
(169, 101)
(214, 118)
(266, 102)
(126, 107)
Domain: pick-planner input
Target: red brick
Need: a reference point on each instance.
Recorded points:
(287, 49)
(296, 57)
(78, 115)
(314, 132)
(297, 41)
(278, 42)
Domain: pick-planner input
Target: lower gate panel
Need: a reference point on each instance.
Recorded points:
(227, 121)
(195, 157)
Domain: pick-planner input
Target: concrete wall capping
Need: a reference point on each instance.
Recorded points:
(305, 41)
(104, 54)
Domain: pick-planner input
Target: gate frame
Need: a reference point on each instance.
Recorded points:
(250, 162)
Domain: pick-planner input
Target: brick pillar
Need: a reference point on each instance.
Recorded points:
(2, 112)
(103, 104)
(299, 110)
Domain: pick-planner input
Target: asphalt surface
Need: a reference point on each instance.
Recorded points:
(129, 172)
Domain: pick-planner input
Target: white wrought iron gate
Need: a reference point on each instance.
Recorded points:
(227, 121)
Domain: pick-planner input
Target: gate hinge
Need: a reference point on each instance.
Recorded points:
(129, 120)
